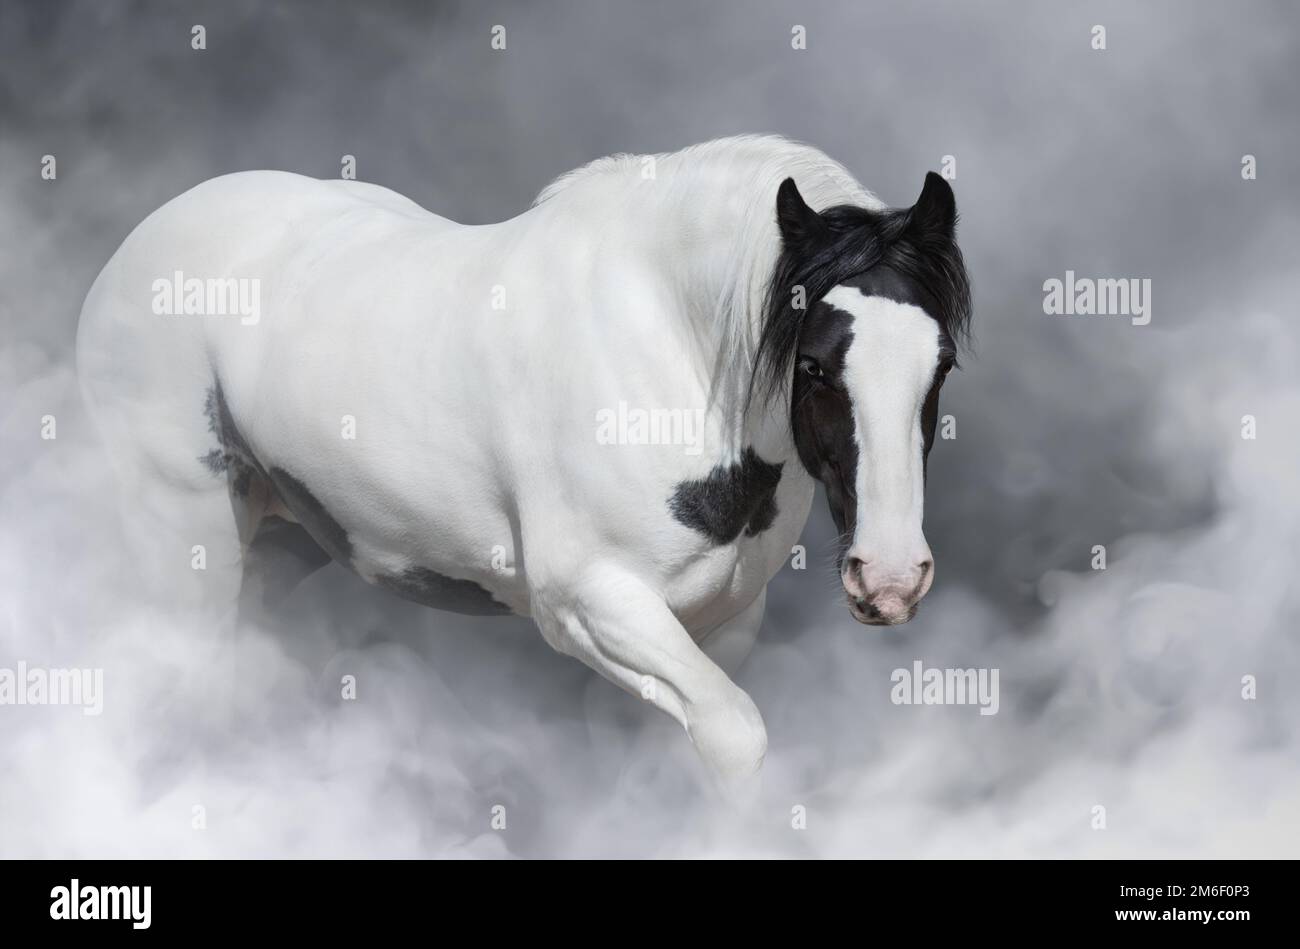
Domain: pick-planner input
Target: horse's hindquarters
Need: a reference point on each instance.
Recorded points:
(147, 376)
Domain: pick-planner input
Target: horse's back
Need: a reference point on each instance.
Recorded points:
(243, 225)
(233, 223)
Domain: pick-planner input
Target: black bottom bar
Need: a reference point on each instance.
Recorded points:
(369, 898)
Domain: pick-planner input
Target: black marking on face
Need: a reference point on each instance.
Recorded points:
(821, 412)
(429, 588)
(930, 414)
(884, 281)
(730, 499)
(311, 514)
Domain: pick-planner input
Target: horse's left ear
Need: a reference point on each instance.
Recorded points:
(935, 210)
(801, 227)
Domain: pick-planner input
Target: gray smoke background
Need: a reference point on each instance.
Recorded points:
(1120, 688)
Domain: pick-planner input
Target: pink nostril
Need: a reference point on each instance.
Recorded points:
(853, 578)
(924, 567)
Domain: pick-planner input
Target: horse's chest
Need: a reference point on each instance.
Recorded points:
(743, 518)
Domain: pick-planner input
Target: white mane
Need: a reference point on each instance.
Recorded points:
(751, 164)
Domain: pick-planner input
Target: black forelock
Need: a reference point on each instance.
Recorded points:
(854, 241)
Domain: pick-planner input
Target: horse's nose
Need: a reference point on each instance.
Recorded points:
(881, 594)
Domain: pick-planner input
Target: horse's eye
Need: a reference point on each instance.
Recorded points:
(808, 366)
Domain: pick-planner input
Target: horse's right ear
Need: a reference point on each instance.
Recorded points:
(800, 225)
(935, 210)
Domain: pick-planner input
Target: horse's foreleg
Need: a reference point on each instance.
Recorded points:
(730, 642)
(620, 627)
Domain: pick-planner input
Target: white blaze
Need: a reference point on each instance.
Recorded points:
(888, 370)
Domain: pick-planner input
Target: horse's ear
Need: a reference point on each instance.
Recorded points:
(935, 211)
(800, 225)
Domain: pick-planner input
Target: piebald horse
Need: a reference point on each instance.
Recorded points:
(419, 400)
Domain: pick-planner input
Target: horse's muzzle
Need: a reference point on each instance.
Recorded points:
(890, 611)
(885, 597)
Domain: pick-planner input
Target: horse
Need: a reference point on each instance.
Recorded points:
(287, 370)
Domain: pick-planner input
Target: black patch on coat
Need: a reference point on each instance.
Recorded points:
(233, 458)
(242, 480)
(311, 514)
(215, 461)
(732, 498)
(430, 588)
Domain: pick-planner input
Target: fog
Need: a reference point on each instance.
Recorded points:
(1120, 688)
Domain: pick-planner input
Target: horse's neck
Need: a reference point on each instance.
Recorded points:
(700, 231)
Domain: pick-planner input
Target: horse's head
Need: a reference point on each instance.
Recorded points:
(885, 301)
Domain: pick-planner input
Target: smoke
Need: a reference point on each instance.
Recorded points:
(1119, 688)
